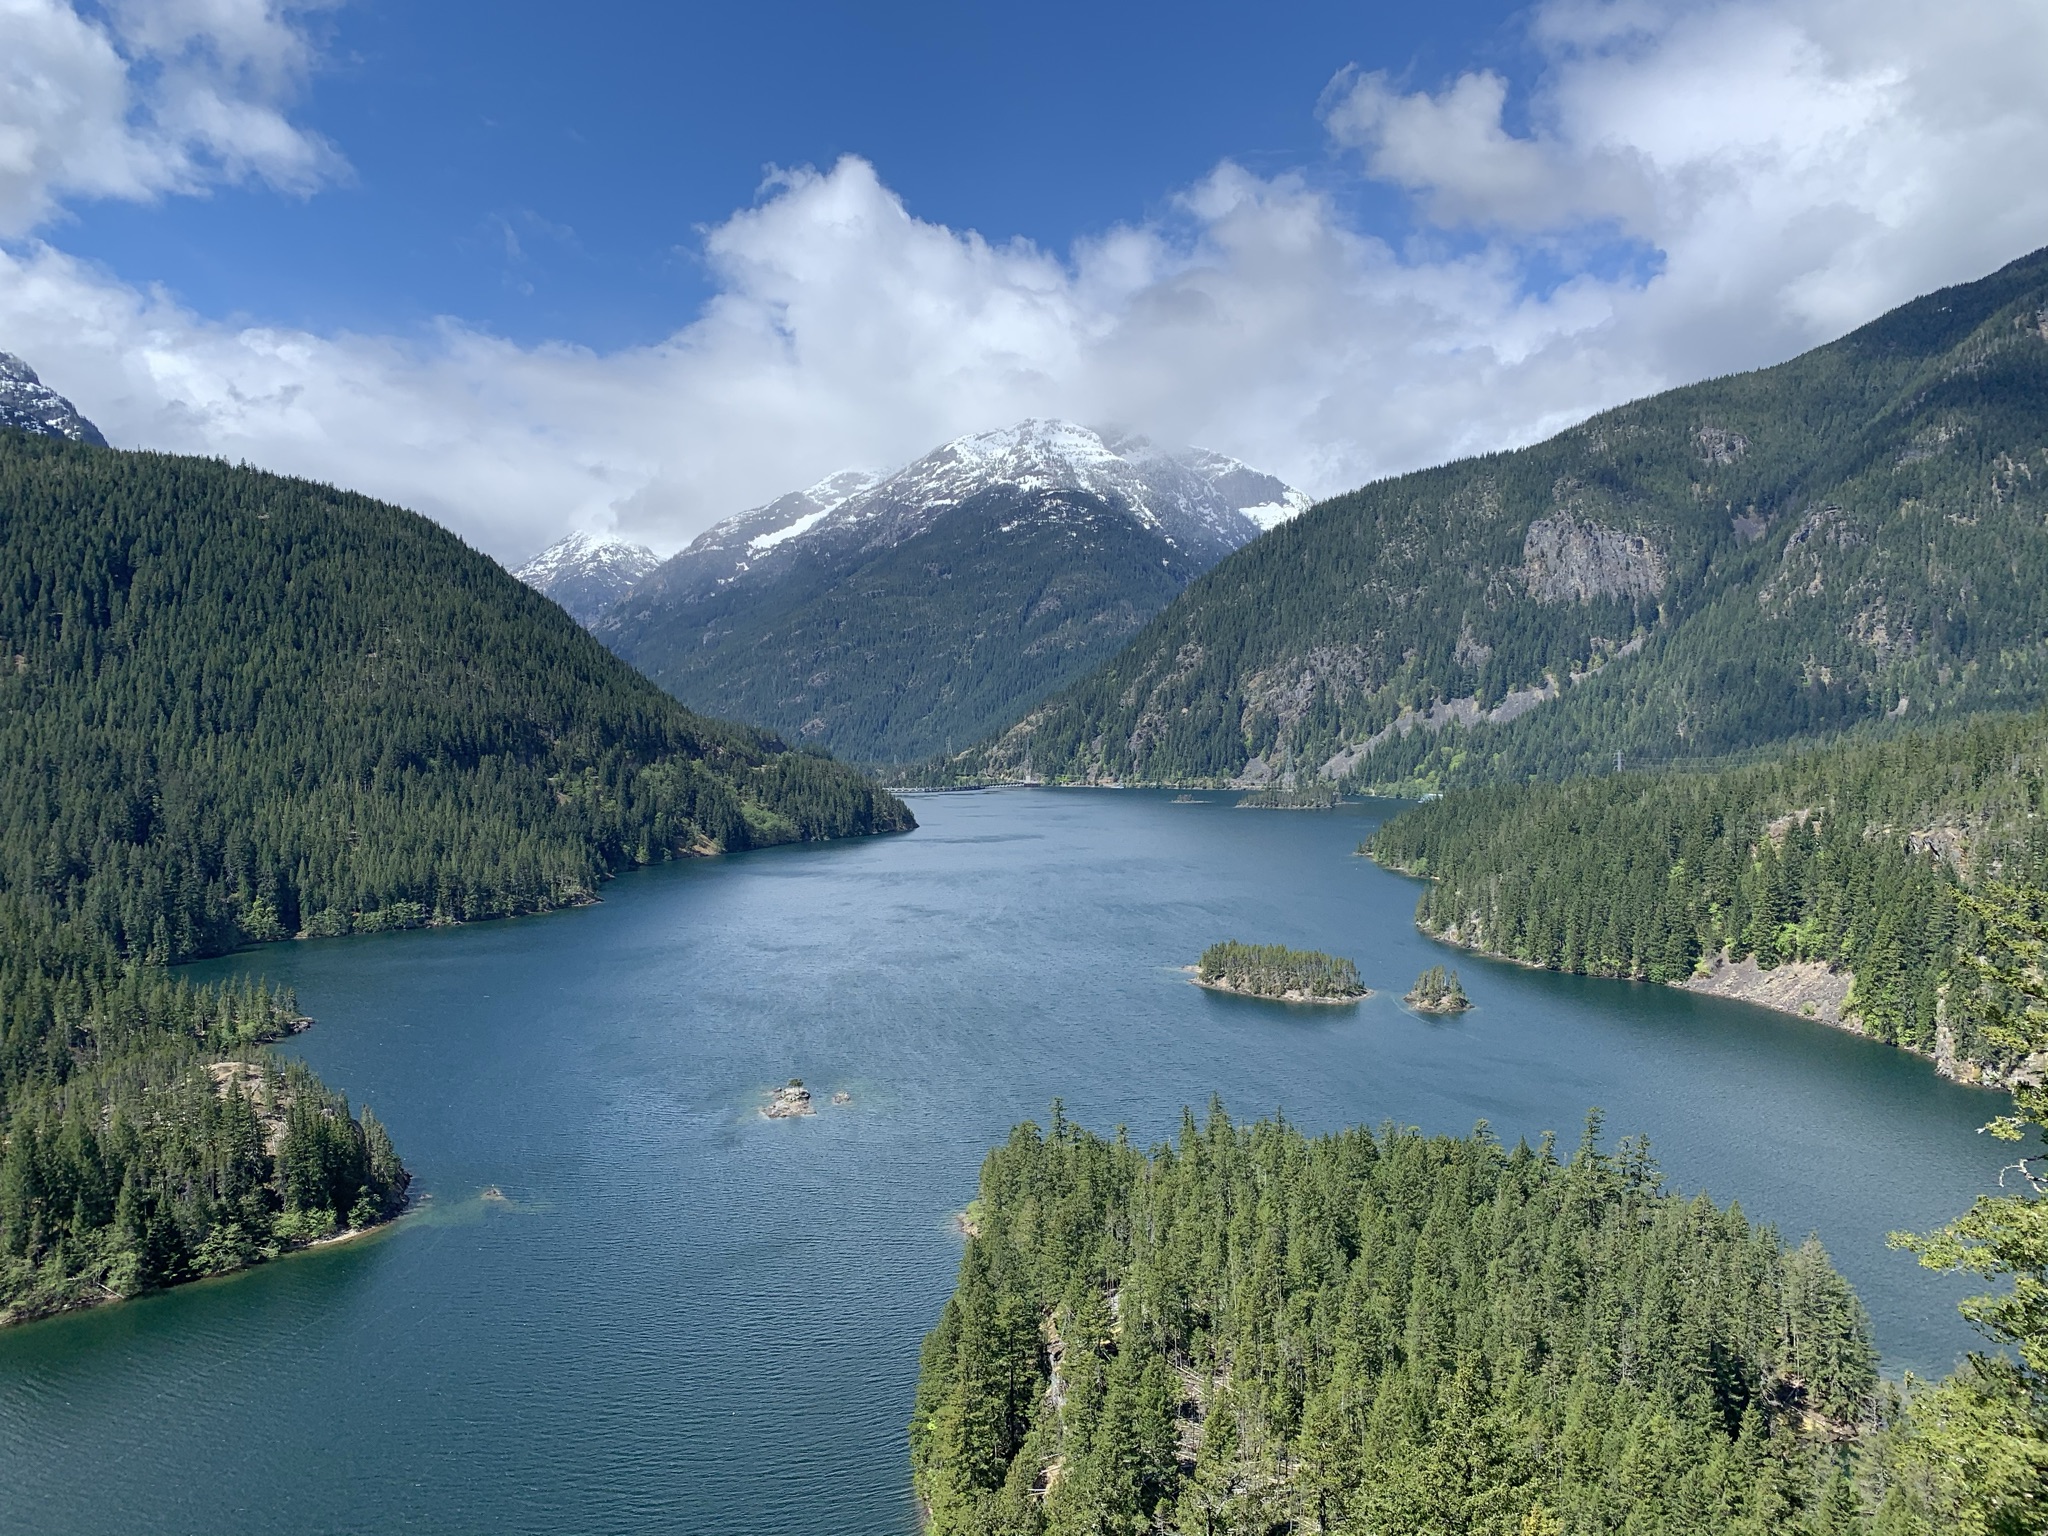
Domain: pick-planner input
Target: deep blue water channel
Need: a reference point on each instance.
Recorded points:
(682, 1317)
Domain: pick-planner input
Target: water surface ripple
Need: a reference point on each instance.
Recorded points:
(682, 1317)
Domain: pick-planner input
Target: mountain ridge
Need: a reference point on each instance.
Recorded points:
(1192, 497)
(1853, 535)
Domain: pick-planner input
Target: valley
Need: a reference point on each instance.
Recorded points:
(246, 709)
(645, 661)
(683, 1316)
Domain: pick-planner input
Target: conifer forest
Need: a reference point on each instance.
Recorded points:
(237, 708)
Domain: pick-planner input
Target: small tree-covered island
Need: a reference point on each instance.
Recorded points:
(1252, 1330)
(1437, 990)
(1308, 797)
(1279, 973)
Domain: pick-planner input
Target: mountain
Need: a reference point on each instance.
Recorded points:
(1857, 536)
(886, 616)
(238, 708)
(32, 406)
(587, 575)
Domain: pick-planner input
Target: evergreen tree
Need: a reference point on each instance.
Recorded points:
(1847, 857)
(1254, 1331)
(1973, 1454)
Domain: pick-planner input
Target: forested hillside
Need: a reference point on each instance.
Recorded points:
(236, 707)
(1857, 535)
(1253, 1331)
(1849, 856)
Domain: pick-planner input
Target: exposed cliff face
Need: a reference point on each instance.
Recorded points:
(1568, 561)
(1803, 987)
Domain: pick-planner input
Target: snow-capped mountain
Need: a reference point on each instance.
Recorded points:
(1202, 504)
(744, 542)
(30, 404)
(587, 574)
(885, 616)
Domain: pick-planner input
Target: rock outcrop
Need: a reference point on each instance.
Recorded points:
(789, 1101)
(1566, 560)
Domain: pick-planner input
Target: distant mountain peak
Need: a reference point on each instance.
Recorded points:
(889, 615)
(1190, 495)
(1203, 504)
(30, 404)
(586, 573)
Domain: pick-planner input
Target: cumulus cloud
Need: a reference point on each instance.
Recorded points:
(1683, 190)
(149, 97)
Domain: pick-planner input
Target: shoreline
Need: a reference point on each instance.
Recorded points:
(1963, 1073)
(1791, 999)
(1434, 1010)
(16, 1317)
(1221, 985)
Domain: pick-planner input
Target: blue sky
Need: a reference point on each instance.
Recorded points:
(543, 171)
(636, 267)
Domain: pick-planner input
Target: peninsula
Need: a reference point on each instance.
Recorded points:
(1831, 884)
(1276, 972)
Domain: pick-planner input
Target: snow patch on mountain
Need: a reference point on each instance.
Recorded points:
(797, 529)
(1201, 505)
(1271, 514)
(1193, 497)
(30, 404)
(820, 500)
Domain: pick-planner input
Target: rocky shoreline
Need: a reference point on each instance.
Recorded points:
(1222, 984)
(1804, 989)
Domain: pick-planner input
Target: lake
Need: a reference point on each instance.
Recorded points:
(628, 1302)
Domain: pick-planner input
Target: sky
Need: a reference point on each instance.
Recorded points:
(632, 268)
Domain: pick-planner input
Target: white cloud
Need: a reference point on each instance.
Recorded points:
(153, 96)
(1783, 171)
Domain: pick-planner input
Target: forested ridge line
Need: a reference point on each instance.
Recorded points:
(1250, 1330)
(1850, 856)
(1856, 535)
(236, 707)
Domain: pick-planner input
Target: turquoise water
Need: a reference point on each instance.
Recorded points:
(683, 1317)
